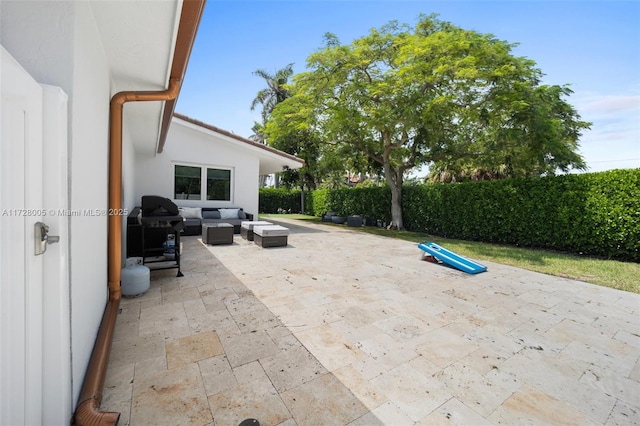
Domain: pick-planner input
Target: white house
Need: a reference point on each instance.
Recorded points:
(204, 149)
(88, 94)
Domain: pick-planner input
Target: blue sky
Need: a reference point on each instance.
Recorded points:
(592, 45)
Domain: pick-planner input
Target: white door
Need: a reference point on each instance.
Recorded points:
(57, 404)
(22, 283)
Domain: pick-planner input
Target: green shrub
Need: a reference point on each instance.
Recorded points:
(317, 202)
(371, 202)
(272, 199)
(595, 214)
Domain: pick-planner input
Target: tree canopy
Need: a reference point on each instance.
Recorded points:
(431, 94)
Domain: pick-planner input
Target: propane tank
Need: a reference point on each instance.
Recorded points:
(135, 278)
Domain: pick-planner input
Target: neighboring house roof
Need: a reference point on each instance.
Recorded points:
(271, 160)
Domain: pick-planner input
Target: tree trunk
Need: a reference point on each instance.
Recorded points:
(394, 180)
(393, 176)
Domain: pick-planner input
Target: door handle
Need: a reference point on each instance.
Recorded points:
(42, 238)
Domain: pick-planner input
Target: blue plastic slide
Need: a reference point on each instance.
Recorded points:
(452, 259)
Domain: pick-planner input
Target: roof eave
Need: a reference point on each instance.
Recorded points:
(266, 148)
(190, 17)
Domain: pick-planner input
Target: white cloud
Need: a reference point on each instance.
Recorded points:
(614, 138)
(607, 105)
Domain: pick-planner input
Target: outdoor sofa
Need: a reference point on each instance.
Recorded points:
(194, 217)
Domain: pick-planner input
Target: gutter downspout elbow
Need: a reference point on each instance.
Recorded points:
(88, 411)
(115, 175)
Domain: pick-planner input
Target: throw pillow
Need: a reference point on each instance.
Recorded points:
(210, 214)
(190, 212)
(242, 214)
(228, 213)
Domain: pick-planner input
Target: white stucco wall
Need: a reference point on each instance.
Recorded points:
(58, 44)
(128, 187)
(190, 146)
(89, 183)
(35, 35)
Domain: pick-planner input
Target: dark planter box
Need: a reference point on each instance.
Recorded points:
(327, 216)
(354, 221)
(370, 222)
(338, 219)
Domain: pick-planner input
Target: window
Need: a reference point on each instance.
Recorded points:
(190, 181)
(187, 183)
(218, 184)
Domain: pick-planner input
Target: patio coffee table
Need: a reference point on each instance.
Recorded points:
(246, 228)
(217, 233)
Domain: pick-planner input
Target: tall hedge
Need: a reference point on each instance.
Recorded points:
(595, 214)
(272, 199)
(373, 202)
(317, 202)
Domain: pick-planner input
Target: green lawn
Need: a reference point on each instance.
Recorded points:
(608, 273)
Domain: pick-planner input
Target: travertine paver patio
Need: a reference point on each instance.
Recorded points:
(345, 328)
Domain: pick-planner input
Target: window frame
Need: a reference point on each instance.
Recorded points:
(175, 167)
(203, 183)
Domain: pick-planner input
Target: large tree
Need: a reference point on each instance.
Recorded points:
(306, 146)
(537, 137)
(407, 96)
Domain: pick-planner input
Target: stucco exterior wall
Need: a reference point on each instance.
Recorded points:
(58, 43)
(36, 35)
(188, 145)
(89, 183)
(128, 186)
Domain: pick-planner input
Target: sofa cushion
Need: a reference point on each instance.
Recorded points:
(210, 214)
(190, 212)
(250, 224)
(229, 213)
(233, 221)
(192, 222)
(271, 230)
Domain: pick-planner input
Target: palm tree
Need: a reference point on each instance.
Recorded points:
(274, 93)
(258, 135)
(269, 97)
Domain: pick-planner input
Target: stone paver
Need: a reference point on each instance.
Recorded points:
(342, 328)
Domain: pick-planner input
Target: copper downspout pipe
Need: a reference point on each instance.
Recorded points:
(88, 412)
(115, 174)
(88, 409)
